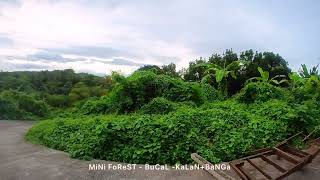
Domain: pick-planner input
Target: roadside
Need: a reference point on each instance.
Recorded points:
(22, 160)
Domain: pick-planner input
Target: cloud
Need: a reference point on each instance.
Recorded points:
(5, 41)
(101, 52)
(21, 66)
(119, 61)
(118, 34)
(45, 55)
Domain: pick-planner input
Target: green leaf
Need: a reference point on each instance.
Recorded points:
(233, 74)
(260, 71)
(283, 81)
(219, 75)
(275, 81)
(265, 76)
(206, 78)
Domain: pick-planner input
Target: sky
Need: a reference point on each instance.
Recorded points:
(101, 36)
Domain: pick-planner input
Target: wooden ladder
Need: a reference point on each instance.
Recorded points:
(283, 152)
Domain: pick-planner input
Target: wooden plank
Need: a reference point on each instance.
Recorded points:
(287, 140)
(286, 156)
(203, 162)
(307, 137)
(292, 170)
(239, 166)
(267, 152)
(259, 151)
(295, 151)
(260, 170)
(274, 164)
(239, 172)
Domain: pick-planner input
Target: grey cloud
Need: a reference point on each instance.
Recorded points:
(6, 65)
(119, 61)
(51, 57)
(45, 55)
(30, 66)
(167, 59)
(101, 52)
(5, 41)
(5, 3)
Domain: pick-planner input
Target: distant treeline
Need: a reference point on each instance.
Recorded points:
(22, 92)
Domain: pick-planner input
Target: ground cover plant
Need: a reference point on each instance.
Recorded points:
(221, 108)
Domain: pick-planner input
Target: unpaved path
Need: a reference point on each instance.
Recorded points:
(22, 160)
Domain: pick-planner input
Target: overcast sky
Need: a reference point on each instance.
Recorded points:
(99, 36)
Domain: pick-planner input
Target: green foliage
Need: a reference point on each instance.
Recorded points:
(9, 110)
(169, 70)
(58, 101)
(265, 77)
(95, 106)
(59, 88)
(260, 92)
(221, 74)
(133, 92)
(166, 118)
(305, 73)
(158, 105)
(220, 133)
(17, 105)
(281, 111)
(250, 61)
(82, 91)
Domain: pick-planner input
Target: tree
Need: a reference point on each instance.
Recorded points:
(273, 63)
(154, 68)
(194, 71)
(170, 70)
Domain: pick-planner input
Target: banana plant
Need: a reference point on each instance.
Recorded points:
(305, 73)
(265, 77)
(296, 80)
(220, 74)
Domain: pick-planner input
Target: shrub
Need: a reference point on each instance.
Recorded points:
(94, 106)
(9, 110)
(58, 100)
(209, 93)
(35, 107)
(131, 93)
(260, 92)
(158, 105)
(21, 105)
(216, 134)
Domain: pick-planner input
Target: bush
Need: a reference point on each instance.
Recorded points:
(158, 106)
(35, 107)
(131, 93)
(9, 110)
(260, 92)
(58, 101)
(209, 93)
(216, 134)
(23, 105)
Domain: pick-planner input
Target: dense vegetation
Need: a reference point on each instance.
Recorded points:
(30, 95)
(221, 108)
